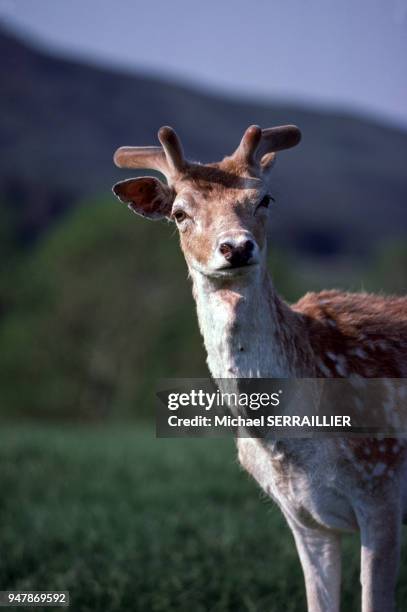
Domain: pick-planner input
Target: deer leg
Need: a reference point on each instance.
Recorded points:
(380, 540)
(320, 556)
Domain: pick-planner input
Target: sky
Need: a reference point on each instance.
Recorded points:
(346, 54)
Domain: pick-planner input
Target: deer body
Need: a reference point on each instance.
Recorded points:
(249, 332)
(242, 344)
(324, 486)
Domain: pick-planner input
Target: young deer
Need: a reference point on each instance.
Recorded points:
(324, 486)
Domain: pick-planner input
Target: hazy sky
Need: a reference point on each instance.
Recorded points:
(346, 53)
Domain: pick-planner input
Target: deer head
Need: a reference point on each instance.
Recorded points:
(220, 209)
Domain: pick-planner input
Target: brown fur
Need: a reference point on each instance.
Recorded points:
(369, 331)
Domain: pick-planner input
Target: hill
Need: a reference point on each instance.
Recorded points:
(343, 190)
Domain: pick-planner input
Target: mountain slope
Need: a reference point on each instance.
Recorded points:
(343, 189)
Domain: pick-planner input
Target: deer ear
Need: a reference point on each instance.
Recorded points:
(146, 196)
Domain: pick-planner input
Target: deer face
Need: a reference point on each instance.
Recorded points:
(220, 209)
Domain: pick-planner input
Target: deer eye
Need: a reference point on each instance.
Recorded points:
(179, 215)
(264, 202)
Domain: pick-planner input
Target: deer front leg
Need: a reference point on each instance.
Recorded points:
(320, 556)
(380, 540)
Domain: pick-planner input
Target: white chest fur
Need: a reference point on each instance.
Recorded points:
(239, 330)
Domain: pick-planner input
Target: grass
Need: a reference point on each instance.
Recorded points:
(128, 522)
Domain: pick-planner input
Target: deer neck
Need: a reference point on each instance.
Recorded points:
(248, 330)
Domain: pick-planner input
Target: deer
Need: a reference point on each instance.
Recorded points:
(328, 486)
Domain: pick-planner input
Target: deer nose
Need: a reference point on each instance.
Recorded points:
(237, 254)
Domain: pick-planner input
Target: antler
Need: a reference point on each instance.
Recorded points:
(247, 148)
(172, 148)
(168, 159)
(282, 137)
(258, 146)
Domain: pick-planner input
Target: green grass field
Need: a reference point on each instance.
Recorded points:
(125, 521)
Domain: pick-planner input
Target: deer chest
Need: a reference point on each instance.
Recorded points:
(309, 490)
